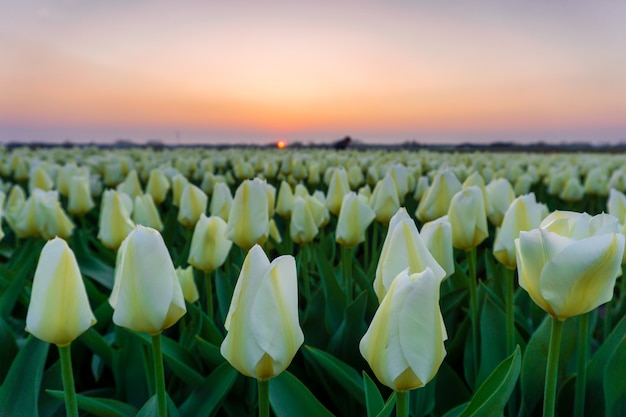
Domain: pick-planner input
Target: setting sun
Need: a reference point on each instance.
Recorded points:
(281, 144)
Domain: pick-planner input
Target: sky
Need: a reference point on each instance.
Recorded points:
(252, 72)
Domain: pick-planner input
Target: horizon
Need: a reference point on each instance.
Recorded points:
(197, 72)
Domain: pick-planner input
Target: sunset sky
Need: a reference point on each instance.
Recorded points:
(253, 72)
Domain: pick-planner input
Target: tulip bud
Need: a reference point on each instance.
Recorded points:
(14, 205)
(337, 189)
(314, 177)
(147, 296)
(404, 342)
(284, 203)
(40, 179)
(248, 218)
(302, 227)
(2, 198)
(437, 236)
(420, 188)
(570, 263)
(616, 205)
(193, 202)
(524, 214)
(79, 199)
(209, 245)
(59, 310)
(385, 200)
(130, 185)
(115, 223)
(572, 191)
(436, 200)
(354, 218)
(262, 322)
(355, 176)
(42, 215)
(597, 182)
(468, 219)
(221, 201)
(146, 214)
(158, 186)
(403, 248)
(500, 195)
(188, 284)
(178, 185)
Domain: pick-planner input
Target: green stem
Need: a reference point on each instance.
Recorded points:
(346, 263)
(71, 404)
(581, 376)
(208, 286)
(552, 370)
(264, 397)
(402, 404)
(473, 291)
(510, 309)
(159, 375)
(306, 277)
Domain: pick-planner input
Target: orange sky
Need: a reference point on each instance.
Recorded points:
(392, 71)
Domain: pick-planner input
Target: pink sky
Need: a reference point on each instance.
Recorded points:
(251, 72)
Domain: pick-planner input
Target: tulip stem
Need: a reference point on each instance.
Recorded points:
(159, 375)
(402, 404)
(552, 370)
(510, 309)
(473, 291)
(581, 376)
(346, 263)
(71, 404)
(208, 286)
(306, 276)
(264, 397)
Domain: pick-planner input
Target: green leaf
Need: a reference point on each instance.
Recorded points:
(19, 393)
(335, 297)
(450, 389)
(151, 408)
(422, 400)
(493, 343)
(615, 383)
(290, 397)
(373, 400)
(343, 374)
(352, 329)
(492, 396)
(389, 406)
(209, 353)
(178, 359)
(102, 407)
(98, 345)
(91, 266)
(24, 268)
(205, 398)
(456, 411)
(8, 348)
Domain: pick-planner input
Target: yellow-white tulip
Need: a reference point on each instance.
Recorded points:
(42, 215)
(248, 218)
(145, 212)
(39, 178)
(500, 195)
(192, 204)
(403, 248)
(131, 185)
(303, 227)
(468, 218)
(221, 201)
(262, 322)
(79, 200)
(179, 182)
(209, 245)
(404, 342)
(158, 186)
(115, 223)
(337, 189)
(147, 296)
(569, 265)
(616, 205)
(59, 310)
(285, 200)
(385, 200)
(354, 218)
(436, 201)
(188, 284)
(437, 236)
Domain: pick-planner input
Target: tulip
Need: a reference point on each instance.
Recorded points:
(500, 195)
(569, 265)
(572, 191)
(147, 296)
(115, 223)
(385, 200)
(302, 227)
(14, 205)
(2, 198)
(209, 245)
(523, 214)
(158, 186)
(40, 179)
(355, 176)
(188, 284)
(79, 201)
(337, 189)
(59, 310)
(400, 175)
(522, 184)
(42, 215)
(354, 218)
(262, 322)
(404, 342)
(145, 212)
(436, 200)
(468, 218)
(285, 200)
(314, 173)
(248, 218)
(475, 179)
(597, 182)
(221, 201)
(420, 188)
(437, 236)
(130, 185)
(616, 205)
(192, 204)
(403, 248)
(178, 185)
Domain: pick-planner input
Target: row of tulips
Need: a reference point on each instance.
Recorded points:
(568, 263)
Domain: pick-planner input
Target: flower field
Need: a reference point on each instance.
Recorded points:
(311, 282)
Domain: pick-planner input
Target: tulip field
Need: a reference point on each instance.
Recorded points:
(311, 282)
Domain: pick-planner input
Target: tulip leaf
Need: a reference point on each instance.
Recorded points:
(389, 406)
(98, 345)
(8, 348)
(346, 376)
(492, 396)
(178, 359)
(91, 266)
(102, 407)
(422, 400)
(450, 389)
(209, 353)
(28, 255)
(456, 411)
(493, 344)
(19, 393)
(150, 408)
(615, 383)
(205, 398)
(335, 297)
(352, 328)
(290, 397)
(597, 367)
(373, 400)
